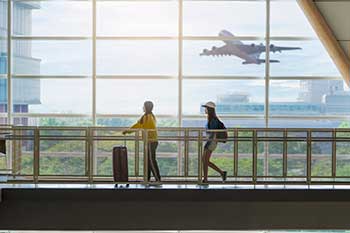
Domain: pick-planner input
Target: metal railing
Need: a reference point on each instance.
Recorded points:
(251, 156)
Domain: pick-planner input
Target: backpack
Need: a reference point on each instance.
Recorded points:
(222, 136)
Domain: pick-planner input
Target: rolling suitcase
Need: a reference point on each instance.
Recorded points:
(120, 164)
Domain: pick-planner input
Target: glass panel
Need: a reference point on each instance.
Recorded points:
(208, 18)
(52, 121)
(21, 152)
(137, 18)
(232, 97)
(103, 156)
(223, 158)
(52, 95)
(52, 18)
(288, 19)
(296, 157)
(24, 158)
(270, 159)
(137, 57)
(167, 157)
(237, 58)
(3, 37)
(127, 122)
(305, 123)
(309, 98)
(343, 155)
(232, 123)
(52, 57)
(245, 154)
(321, 163)
(306, 58)
(128, 96)
(3, 118)
(62, 157)
(193, 157)
(3, 98)
(342, 151)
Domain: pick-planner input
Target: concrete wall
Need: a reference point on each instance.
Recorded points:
(337, 15)
(173, 209)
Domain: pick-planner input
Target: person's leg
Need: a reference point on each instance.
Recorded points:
(205, 162)
(216, 168)
(153, 165)
(149, 164)
(154, 161)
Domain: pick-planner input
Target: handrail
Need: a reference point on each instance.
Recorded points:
(248, 145)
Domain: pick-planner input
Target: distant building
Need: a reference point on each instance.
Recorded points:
(25, 92)
(312, 91)
(336, 101)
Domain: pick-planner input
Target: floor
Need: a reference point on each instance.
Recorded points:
(173, 186)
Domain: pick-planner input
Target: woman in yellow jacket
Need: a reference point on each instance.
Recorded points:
(148, 121)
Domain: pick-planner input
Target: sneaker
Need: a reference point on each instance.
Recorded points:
(205, 182)
(224, 176)
(155, 183)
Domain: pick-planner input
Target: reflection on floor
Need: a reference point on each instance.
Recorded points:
(172, 186)
(291, 231)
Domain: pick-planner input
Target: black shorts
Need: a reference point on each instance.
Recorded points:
(210, 145)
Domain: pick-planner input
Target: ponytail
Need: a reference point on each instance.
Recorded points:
(145, 115)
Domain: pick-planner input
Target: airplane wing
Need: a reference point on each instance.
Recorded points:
(249, 57)
(218, 51)
(274, 48)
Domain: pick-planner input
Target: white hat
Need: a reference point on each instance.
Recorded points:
(209, 104)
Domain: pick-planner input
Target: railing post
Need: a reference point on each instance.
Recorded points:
(87, 150)
(179, 154)
(285, 151)
(137, 153)
(10, 157)
(90, 142)
(235, 153)
(308, 157)
(266, 155)
(145, 156)
(36, 155)
(334, 153)
(255, 156)
(186, 153)
(16, 153)
(200, 138)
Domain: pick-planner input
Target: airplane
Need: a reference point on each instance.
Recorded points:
(249, 53)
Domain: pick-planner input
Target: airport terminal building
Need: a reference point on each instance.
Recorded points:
(250, 123)
(27, 92)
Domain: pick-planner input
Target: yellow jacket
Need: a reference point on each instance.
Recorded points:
(149, 122)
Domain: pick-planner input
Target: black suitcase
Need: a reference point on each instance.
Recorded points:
(120, 164)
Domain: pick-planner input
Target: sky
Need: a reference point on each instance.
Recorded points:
(201, 18)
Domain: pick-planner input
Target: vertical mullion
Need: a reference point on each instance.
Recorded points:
(180, 59)
(180, 47)
(267, 64)
(334, 153)
(267, 85)
(94, 62)
(9, 62)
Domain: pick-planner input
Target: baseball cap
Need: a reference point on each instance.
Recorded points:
(209, 104)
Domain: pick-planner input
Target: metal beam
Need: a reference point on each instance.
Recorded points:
(327, 37)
